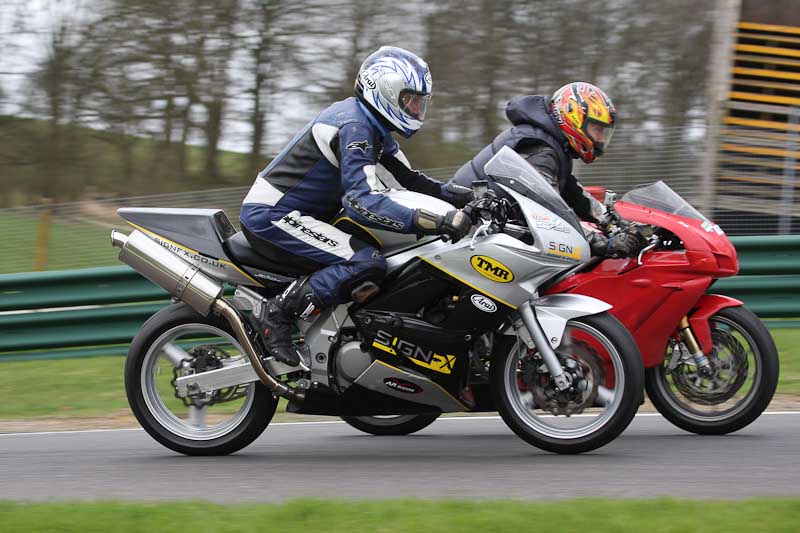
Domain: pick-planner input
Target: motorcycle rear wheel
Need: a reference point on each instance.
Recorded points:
(391, 425)
(219, 423)
(732, 328)
(521, 409)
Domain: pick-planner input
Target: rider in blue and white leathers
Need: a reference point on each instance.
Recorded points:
(345, 158)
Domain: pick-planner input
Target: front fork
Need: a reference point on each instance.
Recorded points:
(542, 344)
(685, 330)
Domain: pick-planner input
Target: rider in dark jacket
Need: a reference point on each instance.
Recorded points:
(549, 132)
(345, 158)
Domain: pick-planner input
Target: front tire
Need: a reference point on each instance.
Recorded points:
(610, 365)
(729, 401)
(176, 337)
(391, 425)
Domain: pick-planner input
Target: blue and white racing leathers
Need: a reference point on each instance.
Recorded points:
(343, 159)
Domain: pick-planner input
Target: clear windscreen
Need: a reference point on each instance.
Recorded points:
(659, 196)
(508, 168)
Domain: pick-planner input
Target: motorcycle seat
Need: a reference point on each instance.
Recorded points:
(267, 257)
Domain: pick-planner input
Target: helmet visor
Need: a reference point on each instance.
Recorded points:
(600, 134)
(414, 103)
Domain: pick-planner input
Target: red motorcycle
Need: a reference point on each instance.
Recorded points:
(711, 366)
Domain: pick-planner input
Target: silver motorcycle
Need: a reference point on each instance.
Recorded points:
(456, 327)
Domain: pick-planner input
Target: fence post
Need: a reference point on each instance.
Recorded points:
(717, 86)
(42, 239)
(787, 191)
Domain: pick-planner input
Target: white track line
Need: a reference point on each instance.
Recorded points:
(325, 422)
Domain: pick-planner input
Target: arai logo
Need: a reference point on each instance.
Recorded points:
(367, 80)
(483, 303)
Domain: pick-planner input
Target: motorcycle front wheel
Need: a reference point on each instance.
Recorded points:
(177, 341)
(391, 424)
(745, 367)
(605, 369)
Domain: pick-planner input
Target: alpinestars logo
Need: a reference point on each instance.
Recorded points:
(360, 145)
(293, 222)
(373, 217)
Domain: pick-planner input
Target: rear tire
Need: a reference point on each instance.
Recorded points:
(505, 374)
(676, 408)
(395, 425)
(156, 418)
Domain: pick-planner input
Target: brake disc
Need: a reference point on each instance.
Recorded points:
(729, 372)
(202, 359)
(582, 364)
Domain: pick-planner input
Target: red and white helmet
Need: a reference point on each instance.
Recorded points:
(587, 117)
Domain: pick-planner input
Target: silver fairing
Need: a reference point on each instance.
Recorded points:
(499, 266)
(552, 235)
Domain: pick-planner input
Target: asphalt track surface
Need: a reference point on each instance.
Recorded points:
(453, 458)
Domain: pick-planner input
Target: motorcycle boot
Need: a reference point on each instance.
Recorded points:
(277, 315)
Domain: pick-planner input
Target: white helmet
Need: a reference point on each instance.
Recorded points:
(396, 85)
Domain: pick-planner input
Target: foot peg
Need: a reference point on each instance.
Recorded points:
(277, 368)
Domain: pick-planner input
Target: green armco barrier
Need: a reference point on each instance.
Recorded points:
(772, 255)
(72, 288)
(82, 327)
(77, 313)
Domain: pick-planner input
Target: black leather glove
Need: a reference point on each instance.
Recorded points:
(598, 243)
(611, 221)
(625, 244)
(455, 224)
(458, 195)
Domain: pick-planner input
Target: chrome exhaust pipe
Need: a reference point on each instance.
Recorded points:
(180, 279)
(186, 283)
(234, 319)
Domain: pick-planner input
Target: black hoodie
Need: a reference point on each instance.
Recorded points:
(535, 135)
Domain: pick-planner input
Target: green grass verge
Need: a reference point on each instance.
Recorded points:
(93, 386)
(20, 234)
(655, 516)
(63, 387)
(788, 343)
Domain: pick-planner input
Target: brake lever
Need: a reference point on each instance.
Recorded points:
(654, 240)
(482, 228)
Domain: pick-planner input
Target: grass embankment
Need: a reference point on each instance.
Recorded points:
(660, 515)
(93, 386)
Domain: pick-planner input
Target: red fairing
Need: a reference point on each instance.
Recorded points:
(708, 306)
(712, 250)
(650, 299)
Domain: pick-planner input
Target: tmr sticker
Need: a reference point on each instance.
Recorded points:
(491, 268)
(401, 385)
(483, 303)
(564, 250)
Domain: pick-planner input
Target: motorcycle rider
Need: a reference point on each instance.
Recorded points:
(549, 132)
(345, 158)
